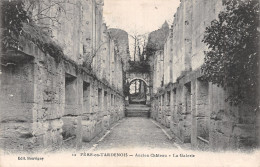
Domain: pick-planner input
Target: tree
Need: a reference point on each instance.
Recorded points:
(233, 57)
(13, 17)
(33, 21)
(139, 45)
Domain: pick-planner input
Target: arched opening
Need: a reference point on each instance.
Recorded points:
(138, 90)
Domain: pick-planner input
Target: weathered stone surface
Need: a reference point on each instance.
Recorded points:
(88, 130)
(199, 112)
(17, 92)
(106, 122)
(47, 103)
(52, 138)
(22, 136)
(72, 129)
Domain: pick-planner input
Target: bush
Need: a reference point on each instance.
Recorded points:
(233, 57)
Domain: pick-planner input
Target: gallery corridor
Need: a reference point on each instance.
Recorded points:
(135, 132)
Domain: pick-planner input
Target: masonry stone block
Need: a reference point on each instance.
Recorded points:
(72, 129)
(185, 131)
(98, 127)
(106, 122)
(168, 121)
(202, 145)
(88, 130)
(244, 130)
(53, 136)
(218, 141)
(202, 128)
(22, 112)
(17, 92)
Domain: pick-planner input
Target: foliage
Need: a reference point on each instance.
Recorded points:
(18, 23)
(139, 66)
(151, 48)
(42, 39)
(232, 59)
(13, 17)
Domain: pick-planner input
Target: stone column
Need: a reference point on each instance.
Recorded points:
(193, 114)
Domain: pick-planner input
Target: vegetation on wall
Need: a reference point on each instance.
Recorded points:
(233, 57)
(17, 23)
(139, 66)
(13, 17)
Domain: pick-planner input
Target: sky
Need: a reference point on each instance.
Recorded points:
(138, 16)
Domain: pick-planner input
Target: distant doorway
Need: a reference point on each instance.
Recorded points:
(138, 92)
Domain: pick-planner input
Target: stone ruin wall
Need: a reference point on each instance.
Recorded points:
(48, 104)
(195, 110)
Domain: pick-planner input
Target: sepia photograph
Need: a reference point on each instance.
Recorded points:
(129, 83)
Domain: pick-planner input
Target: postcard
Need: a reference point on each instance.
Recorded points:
(129, 83)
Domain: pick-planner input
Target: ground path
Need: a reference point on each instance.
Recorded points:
(135, 132)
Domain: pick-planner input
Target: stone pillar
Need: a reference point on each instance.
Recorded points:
(106, 115)
(168, 109)
(174, 117)
(200, 115)
(90, 117)
(186, 114)
(72, 125)
(148, 95)
(187, 33)
(17, 101)
(193, 114)
(87, 114)
(127, 100)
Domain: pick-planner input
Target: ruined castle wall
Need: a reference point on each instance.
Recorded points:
(178, 43)
(181, 37)
(47, 103)
(166, 61)
(203, 12)
(200, 115)
(158, 64)
(121, 37)
(155, 76)
(198, 112)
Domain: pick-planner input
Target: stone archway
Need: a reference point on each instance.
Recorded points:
(139, 79)
(145, 77)
(142, 76)
(138, 89)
